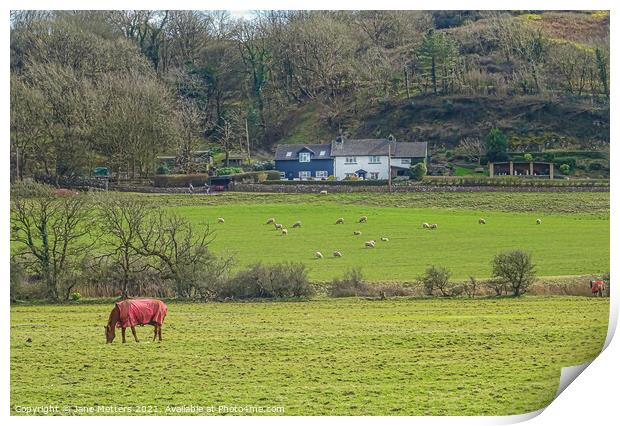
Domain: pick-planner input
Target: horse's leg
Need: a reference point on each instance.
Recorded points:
(133, 331)
(159, 331)
(123, 333)
(154, 332)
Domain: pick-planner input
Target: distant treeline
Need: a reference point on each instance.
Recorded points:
(120, 87)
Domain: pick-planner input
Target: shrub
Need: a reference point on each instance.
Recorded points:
(75, 296)
(496, 145)
(471, 287)
(498, 286)
(352, 284)
(30, 189)
(286, 279)
(229, 171)
(565, 169)
(263, 165)
(436, 278)
(528, 157)
(163, 169)
(418, 171)
(514, 268)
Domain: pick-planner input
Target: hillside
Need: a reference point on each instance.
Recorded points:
(551, 119)
(118, 88)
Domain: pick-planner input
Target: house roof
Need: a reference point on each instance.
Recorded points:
(377, 147)
(294, 150)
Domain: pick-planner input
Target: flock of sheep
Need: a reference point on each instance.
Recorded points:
(340, 221)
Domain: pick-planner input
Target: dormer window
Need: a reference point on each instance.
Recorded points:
(321, 154)
(289, 154)
(304, 157)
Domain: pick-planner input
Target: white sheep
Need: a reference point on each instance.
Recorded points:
(277, 226)
(370, 244)
(297, 224)
(363, 219)
(481, 221)
(357, 232)
(538, 221)
(384, 239)
(318, 255)
(340, 221)
(433, 226)
(323, 192)
(285, 232)
(220, 220)
(271, 221)
(426, 225)
(337, 254)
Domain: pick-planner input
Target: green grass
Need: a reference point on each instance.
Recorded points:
(334, 356)
(460, 243)
(540, 202)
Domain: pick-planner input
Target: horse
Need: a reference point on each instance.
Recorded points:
(132, 312)
(597, 287)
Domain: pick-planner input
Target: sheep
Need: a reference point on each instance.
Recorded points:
(318, 255)
(220, 220)
(363, 219)
(385, 239)
(337, 254)
(538, 221)
(285, 231)
(340, 221)
(433, 226)
(370, 244)
(357, 232)
(297, 224)
(271, 221)
(481, 221)
(323, 192)
(426, 225)
(277, 226)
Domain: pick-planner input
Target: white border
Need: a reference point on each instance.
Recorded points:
(591, 399)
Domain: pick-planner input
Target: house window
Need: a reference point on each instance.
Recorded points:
(290, 153)
(321, 174)
(374, 159)
(304, 157)
(322, 153)
(374, 175)
(304, 175)
(405, 161)
(350, 160)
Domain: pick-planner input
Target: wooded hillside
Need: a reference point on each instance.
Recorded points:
(117, 88)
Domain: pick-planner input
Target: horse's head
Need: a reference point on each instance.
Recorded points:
(109, 333)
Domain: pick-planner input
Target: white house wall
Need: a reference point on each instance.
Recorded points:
(341, 169)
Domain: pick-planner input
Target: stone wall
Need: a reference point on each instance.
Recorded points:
(408, 188)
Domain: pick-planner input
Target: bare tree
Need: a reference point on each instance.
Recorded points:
(472, 148)
(51, 233)
(120, 220)
(180, 253)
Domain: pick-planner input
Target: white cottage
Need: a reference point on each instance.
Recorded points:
(368, 158)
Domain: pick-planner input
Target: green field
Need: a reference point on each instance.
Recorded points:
(460, 243)
(334, 356)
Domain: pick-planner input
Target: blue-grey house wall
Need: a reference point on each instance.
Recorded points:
(291, 168)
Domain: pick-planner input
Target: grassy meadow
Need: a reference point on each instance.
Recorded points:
(324, 356)
(459, 243)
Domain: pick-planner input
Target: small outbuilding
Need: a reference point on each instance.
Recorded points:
(522, 168)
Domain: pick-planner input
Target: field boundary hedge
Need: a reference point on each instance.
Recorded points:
(286, 188)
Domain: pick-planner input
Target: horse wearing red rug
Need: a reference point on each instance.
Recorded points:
(597, 287)
(132, 312)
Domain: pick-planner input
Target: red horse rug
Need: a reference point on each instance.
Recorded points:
(140, 312)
